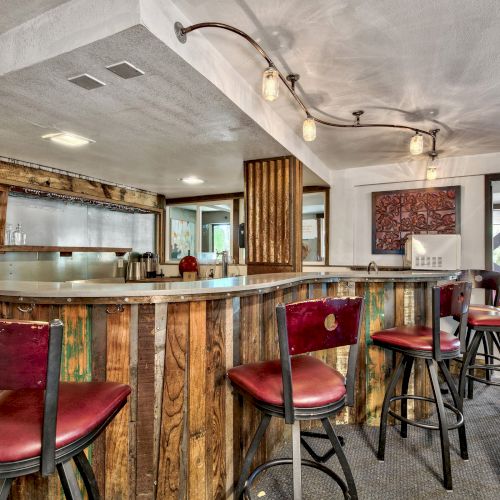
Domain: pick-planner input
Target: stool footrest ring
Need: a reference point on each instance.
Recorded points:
(399, 417)
(483, 380)
(289, 461)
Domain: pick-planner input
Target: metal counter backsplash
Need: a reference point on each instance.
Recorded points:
(50, 266)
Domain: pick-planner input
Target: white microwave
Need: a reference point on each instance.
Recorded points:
(433, 252)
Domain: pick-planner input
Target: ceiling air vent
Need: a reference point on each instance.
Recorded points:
(86, 81)
(125, 69)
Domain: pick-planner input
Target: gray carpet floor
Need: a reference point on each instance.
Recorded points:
(412, 467)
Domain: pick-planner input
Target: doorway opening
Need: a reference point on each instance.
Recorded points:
(492, 222)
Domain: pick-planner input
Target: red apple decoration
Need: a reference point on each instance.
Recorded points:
(188, 264)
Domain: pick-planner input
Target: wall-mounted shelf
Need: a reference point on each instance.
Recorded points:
(63, 251)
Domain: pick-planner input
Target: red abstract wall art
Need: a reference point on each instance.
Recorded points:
(396, 214)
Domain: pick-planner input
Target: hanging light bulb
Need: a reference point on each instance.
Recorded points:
(270, 84)
(417, 144)
(309, 129)
(432, 167)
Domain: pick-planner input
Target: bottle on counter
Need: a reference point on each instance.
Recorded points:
(18, 236)
(8, 234)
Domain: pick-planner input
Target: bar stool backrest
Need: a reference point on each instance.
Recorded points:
(30, 358)
(489, 280)
(450, 299)
(317, 324)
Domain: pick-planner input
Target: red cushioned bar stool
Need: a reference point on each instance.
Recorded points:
(483, 327)
(45, 424)
(435, 347)
(300, 387)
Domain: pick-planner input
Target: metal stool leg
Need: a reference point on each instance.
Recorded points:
(68, 481)
(467, 360)
(487, 351)
(5, 488)
(385, 407)
(342, 458)
(474, 348)
(245, 470)
(443, 424)
(297, 461)
(404, 392)
(87, 474)
(459, 405)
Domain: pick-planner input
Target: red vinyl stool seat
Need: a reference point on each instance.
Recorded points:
(83, 408)
(483, 316)
(45, 424)
(314, 383)
(415, 338)
(435, 347)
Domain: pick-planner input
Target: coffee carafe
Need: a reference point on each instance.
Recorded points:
(150, 263)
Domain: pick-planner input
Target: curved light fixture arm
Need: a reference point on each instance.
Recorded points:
(181, 33)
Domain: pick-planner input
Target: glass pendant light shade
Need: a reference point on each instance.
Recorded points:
(417, 144)
(270, 84)
(309, 129)
(431, 172)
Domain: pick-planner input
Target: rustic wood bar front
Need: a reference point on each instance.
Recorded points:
(183, 432)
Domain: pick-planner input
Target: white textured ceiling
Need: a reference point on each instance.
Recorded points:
(434, 64)
(149, 131)
(16, 12)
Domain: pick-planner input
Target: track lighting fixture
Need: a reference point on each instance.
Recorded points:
(270, 91)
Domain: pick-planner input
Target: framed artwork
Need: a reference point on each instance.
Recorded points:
(182, 238)
(396, 214)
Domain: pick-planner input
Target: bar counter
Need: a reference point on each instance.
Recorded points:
(183, 432)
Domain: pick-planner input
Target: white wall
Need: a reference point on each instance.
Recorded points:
(351, 220)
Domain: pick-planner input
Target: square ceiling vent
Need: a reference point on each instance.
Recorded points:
(125, 70)
(86, 81)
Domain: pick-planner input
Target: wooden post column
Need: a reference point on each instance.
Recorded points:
(273, 209)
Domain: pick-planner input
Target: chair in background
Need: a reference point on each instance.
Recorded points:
(483, 328)
(45, 424)
(300, 387)
(435, 347)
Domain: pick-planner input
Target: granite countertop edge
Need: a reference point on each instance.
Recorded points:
(233, 285)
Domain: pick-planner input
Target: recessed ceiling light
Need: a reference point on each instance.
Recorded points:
(86, 81)
(192, 180)
(125, 69)
(67, 139)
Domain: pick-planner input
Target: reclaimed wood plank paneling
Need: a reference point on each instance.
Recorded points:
(98, 347)
(172, 468)
(12, 174)
(250, 351)
(376, 360)
(197, 400)
(117, 481)
(160, 339)
(144, 486)
(215, 410)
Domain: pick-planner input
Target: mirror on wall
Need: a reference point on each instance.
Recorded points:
(201, 229)
(315, 227)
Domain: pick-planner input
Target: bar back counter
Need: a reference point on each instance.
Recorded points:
(183, 432)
